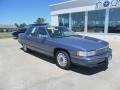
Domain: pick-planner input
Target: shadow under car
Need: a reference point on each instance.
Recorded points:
(74, 68)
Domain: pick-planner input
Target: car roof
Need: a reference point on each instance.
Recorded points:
(46, 26)
(32, 25)
(38, 24)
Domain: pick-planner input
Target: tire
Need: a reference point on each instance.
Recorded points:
(25, 49)
(63, 59)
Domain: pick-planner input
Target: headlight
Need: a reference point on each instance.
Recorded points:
(84, 54)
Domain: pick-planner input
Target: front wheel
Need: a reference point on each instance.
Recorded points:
(63, 59)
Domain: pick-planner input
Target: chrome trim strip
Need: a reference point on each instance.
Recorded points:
(102, 48)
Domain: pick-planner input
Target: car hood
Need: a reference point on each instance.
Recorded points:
(83, 42)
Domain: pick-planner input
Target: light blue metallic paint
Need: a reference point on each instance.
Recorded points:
(72, 44)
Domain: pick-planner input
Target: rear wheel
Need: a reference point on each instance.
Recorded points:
(63, 59)
(25, 49)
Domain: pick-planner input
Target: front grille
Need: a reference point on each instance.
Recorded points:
(102, 51)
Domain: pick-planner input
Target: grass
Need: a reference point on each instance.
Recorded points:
(4, 35)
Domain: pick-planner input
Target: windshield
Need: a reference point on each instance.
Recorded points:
(60, 32)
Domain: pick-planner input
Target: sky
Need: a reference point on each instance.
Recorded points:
(25, 11)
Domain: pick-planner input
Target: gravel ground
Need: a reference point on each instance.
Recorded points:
(33, 71)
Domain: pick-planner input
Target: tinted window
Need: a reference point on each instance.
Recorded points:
(64, 20)
(96, 21)
(114, 21)
(78, 21)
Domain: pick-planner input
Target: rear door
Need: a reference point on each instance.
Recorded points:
(41, 39)
(36, 39)
(31, 36)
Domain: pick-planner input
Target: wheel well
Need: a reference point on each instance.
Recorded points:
(59, 49)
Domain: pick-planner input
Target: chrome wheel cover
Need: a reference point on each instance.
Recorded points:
(62, 59)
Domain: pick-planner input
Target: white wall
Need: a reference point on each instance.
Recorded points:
(54, 20)
(73, 10)
(72, 4)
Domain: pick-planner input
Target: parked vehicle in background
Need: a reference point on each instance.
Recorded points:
(15, 33)
(67, 47)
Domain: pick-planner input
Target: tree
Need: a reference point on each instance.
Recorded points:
(40, 21)
(17, 25)
(20, 25)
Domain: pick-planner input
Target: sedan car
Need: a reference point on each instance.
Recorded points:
(67, 47)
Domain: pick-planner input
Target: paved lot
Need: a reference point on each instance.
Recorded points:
(33, 71)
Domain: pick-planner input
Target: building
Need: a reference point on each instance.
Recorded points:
(87, 16)
(7, 28)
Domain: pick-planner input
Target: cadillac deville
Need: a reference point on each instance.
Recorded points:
(67, 47)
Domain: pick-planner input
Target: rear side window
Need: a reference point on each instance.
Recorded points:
(28, 31)
(33, 32)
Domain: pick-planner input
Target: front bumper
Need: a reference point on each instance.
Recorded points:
(93, 61)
